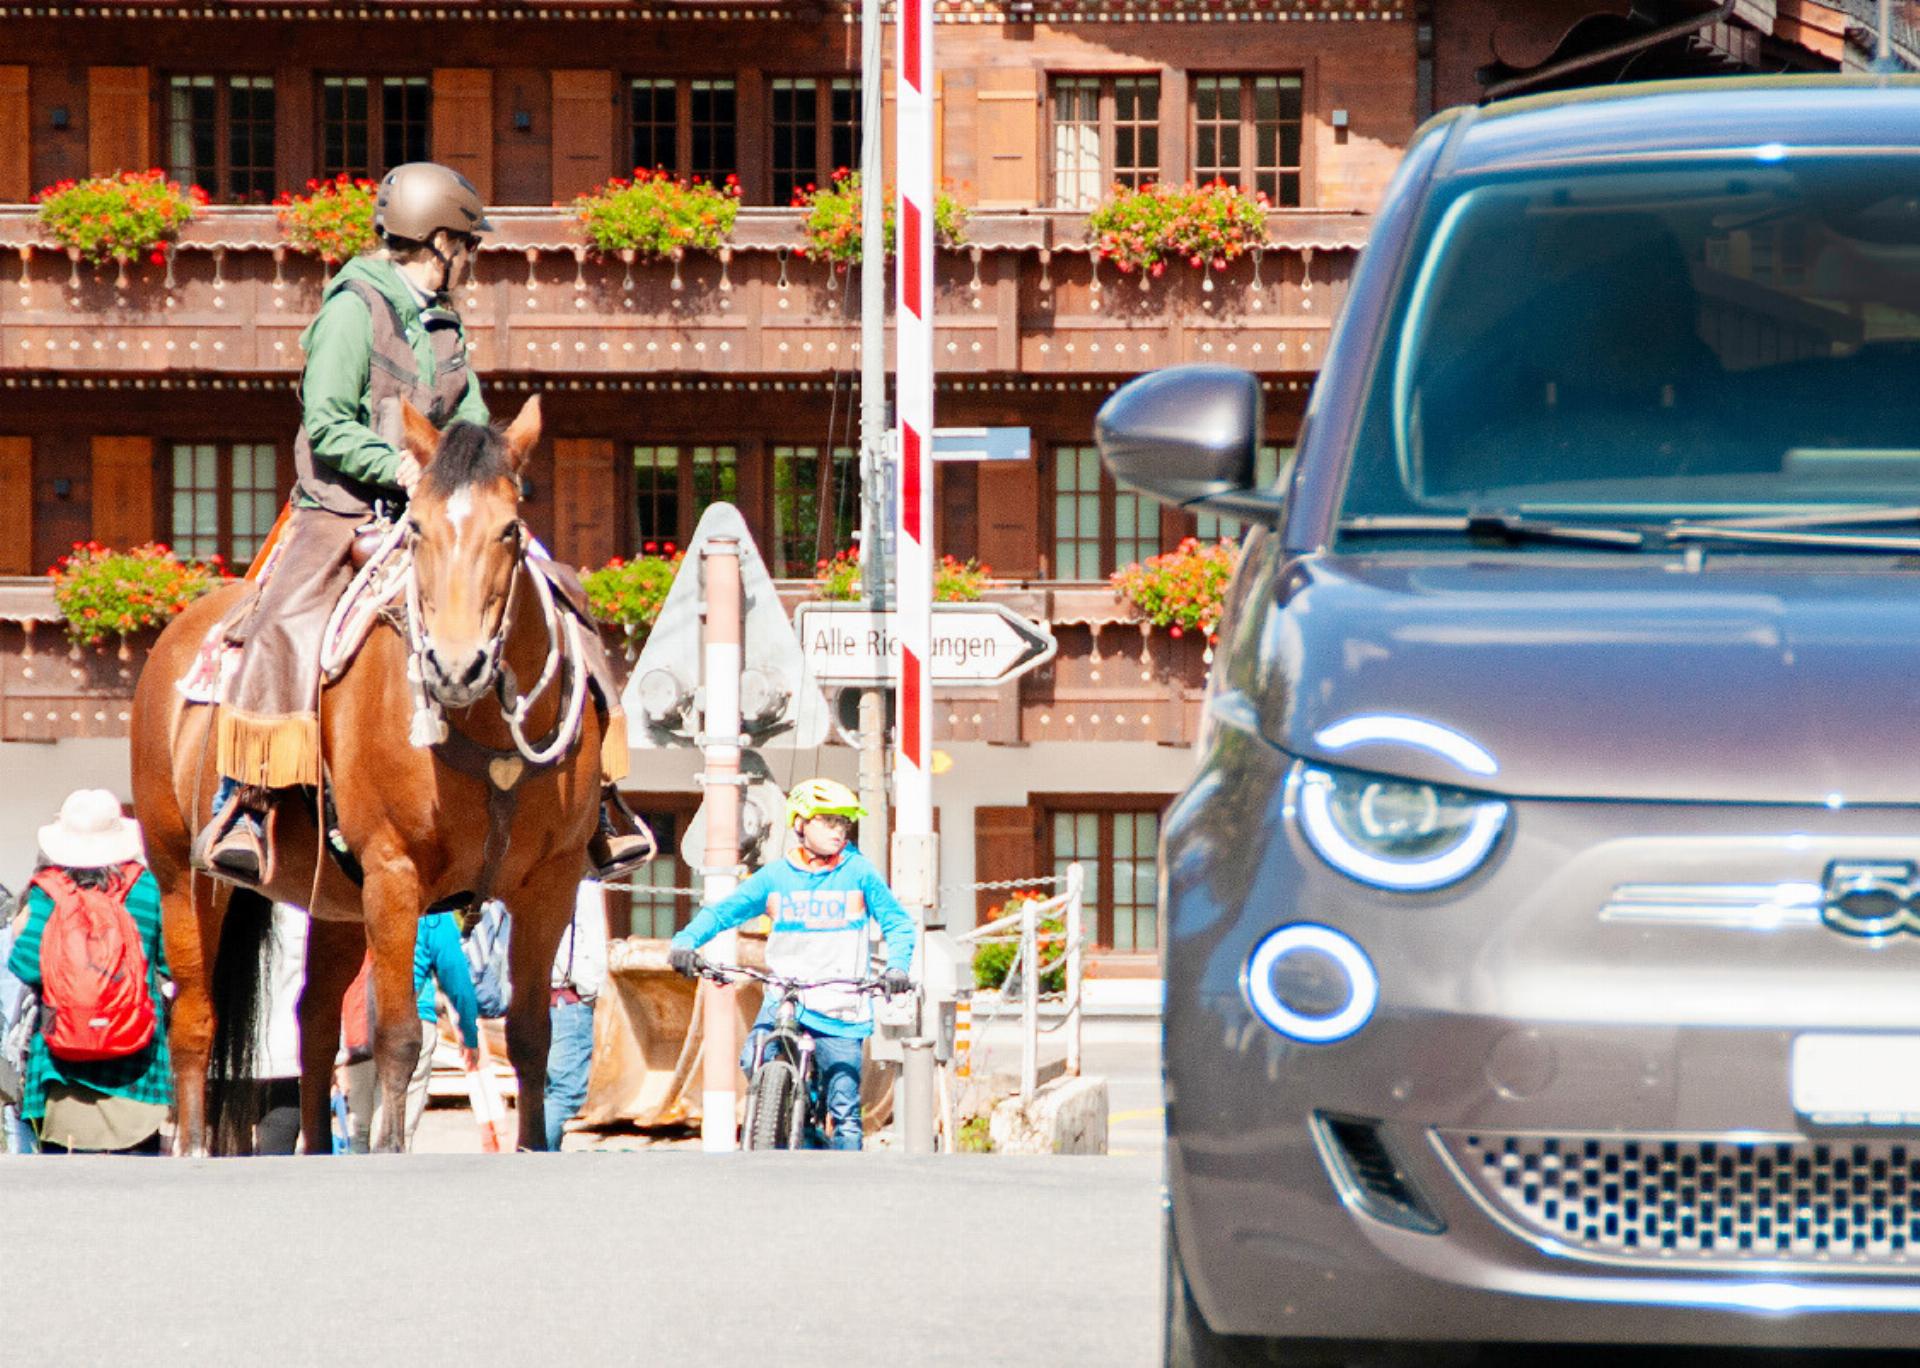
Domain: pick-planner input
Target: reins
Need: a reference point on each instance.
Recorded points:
(387, 581)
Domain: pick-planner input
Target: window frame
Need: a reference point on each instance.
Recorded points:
(377, 83)
(1109, 494)
(1248, 174)
(686, 494)
(622, 905)
(828, 457)
(224, 490)
(683, 122)
(223, 84)
(1109, 122)
(1100, 910)
(825, 126)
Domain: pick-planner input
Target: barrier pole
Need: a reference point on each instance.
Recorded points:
(1076, 880)
(963, 1036)
(916, 1086)
(1030, 1002)
(719, 873)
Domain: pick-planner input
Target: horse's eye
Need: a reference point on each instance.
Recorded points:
(510, 533)
(413, 527)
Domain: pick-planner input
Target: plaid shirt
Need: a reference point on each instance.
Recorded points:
(144, 1077)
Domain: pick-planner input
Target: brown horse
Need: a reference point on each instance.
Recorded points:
(415, 825)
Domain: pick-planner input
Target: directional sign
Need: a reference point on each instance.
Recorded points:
(973, 644)
(983, 444)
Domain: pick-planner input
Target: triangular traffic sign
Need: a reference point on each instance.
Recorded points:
(768, 643)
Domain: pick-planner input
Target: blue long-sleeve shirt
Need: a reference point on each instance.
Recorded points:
(823, 921)
(437, 955)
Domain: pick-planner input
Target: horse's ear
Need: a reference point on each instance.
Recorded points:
(523, 434)
(418, 436)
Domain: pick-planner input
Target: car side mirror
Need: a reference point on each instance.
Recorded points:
(1188, 436)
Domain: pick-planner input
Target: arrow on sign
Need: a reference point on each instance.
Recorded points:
(973, 644)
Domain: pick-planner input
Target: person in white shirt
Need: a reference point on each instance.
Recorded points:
(579, 971)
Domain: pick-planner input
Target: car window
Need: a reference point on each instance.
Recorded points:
(1652, 340)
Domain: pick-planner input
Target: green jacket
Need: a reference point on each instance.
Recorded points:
(334, 407)
(144, 1077)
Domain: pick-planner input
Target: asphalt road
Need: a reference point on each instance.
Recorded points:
(585, 1258)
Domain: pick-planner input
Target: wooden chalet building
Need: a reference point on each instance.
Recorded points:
(159, 404)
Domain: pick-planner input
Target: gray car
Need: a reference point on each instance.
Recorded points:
(1542, 924)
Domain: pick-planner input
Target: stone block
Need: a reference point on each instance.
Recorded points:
(1066, 1116)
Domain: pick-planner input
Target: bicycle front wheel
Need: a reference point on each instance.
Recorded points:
(773, 1098)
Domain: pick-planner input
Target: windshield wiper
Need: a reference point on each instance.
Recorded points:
(1867, 515)
(1506, 529)
(1786, 536)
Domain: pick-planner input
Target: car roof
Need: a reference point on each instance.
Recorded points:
(1715, 115)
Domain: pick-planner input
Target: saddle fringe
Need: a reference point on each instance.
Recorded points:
(268, 752)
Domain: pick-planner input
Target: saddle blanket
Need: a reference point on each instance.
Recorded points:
(212, 672)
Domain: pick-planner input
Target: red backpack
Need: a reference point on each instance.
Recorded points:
(93, 970)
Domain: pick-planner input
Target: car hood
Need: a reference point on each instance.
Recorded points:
(1617, 679)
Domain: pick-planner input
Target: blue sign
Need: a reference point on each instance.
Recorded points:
(983, 444)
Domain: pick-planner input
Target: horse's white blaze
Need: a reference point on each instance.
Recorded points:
(459, 509)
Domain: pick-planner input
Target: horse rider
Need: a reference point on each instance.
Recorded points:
(386, 332)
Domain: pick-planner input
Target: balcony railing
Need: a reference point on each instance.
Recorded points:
(1109, 681)
(1023, 297)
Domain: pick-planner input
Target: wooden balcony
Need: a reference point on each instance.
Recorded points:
(1023, 298)
(1110, 681)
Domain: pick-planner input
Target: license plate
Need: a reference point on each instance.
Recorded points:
(1857, 1080)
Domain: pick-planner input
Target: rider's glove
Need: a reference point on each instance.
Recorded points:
(895, 981)
(681, 959)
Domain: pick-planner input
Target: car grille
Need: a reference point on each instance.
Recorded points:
(1670, 1200)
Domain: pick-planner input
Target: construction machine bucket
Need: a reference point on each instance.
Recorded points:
(647, 1037)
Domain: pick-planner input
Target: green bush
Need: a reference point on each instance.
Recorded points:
(655, 214)
(629, 593)
(991, 962)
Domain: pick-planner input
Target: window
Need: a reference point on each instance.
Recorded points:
(224, 498)
(1119, 852)
(1247, 132)
(672, 486)
(1267, 463)
(816, 506)
(632, 912)
(687, 127)
(371, 124)
(1106, 129)
(1097, 528)
(654, 107)
(220, 136)
(816, 132)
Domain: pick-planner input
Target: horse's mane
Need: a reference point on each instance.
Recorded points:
(469, 454)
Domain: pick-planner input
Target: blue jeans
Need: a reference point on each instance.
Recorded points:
(836, 1073)
(569, 1055)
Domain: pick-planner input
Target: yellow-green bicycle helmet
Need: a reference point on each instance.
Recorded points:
(823, 797)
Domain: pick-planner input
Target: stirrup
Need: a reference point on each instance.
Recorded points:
(228, 848)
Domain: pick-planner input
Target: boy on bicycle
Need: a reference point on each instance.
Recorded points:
(825, 899)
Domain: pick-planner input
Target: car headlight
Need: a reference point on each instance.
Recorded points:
(1395, 833)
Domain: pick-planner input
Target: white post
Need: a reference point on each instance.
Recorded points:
(1030, 1001)
(913, 868)
(1076, 879)
(719, 873)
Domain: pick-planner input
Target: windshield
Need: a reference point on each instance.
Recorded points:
(1641, 342)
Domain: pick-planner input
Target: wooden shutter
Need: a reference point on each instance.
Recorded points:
(1010, 517)
(463, 124)
(122, 491)
(1006, 845)
(16, 506)
(16, 171)
(582, 132)
(583, 501)
(117, 138)
(1007, 138)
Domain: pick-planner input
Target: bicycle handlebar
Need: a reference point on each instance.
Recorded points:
(726, 973)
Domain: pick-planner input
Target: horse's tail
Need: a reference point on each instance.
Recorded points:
(239, 970)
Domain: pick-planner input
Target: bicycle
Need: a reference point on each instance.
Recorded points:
(781, 1101)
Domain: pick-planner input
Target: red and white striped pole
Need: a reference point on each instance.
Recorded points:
(913, 865)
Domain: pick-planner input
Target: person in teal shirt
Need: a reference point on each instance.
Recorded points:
(825, 899)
